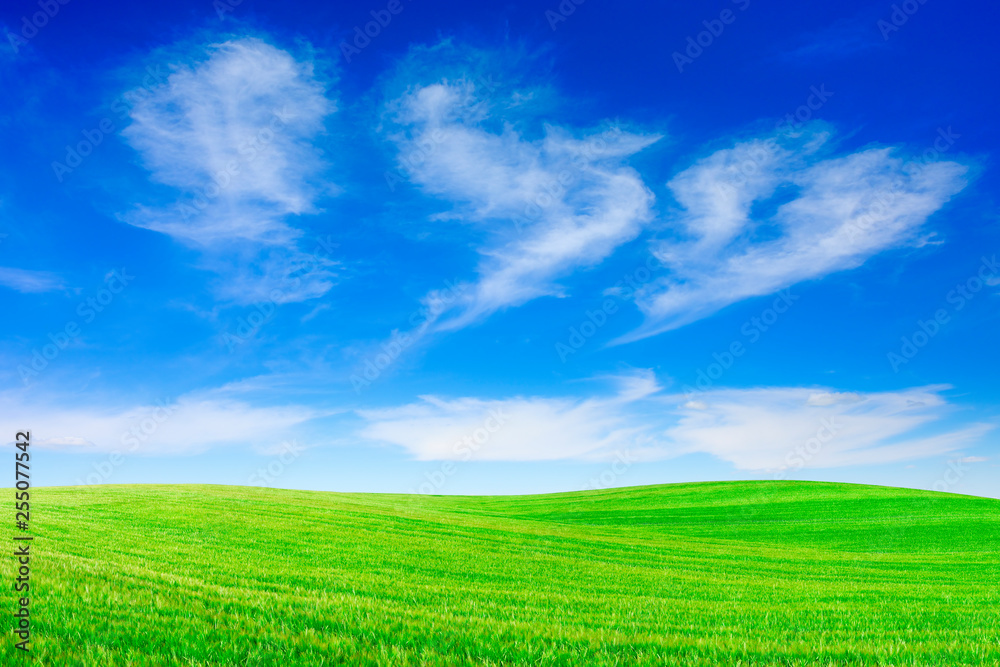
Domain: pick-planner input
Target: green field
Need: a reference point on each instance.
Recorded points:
(740, 573)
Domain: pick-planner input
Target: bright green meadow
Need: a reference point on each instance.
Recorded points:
(735, 573)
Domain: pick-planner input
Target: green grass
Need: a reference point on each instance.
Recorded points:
(742, 573)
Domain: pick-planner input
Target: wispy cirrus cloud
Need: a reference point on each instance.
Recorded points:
(844, 38)
(548, 205)
(25, 280)
(233, 130)
(772, 212)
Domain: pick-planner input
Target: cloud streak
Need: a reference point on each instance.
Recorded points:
(791, 428)
(191, 424)
(522, 428)
(29, 282)
(760, 429)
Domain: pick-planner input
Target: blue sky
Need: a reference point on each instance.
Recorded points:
(501, 248)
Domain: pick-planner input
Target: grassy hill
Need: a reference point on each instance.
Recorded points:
(789, 573)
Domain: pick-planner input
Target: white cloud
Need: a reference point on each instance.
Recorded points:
(233, 131)
(753, 429)
(550, 205)
(27, 281)
(766, 214)
(513, 429)
(190, 424)
(778, 428)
